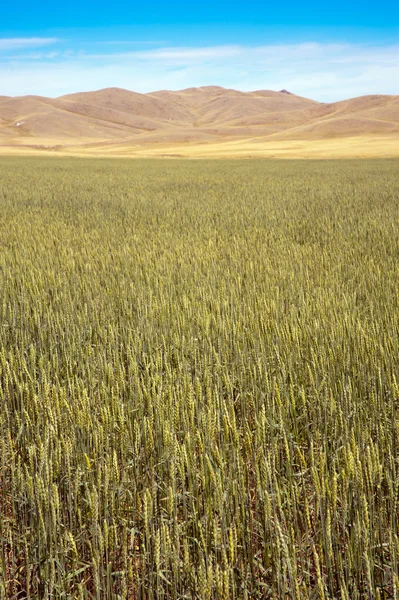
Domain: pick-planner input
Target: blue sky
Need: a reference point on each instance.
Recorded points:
(327, 52)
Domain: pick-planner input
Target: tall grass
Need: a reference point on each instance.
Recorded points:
(199, 370)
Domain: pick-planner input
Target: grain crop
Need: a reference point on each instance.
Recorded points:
(199, 379)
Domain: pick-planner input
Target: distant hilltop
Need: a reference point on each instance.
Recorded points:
(209, 114)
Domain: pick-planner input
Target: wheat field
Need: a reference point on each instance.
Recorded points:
(199, 379)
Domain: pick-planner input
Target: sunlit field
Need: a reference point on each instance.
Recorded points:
(199, 371)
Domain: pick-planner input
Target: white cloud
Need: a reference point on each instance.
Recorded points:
(18, 43)
(132, 43)
(325, 72)
(188, 54)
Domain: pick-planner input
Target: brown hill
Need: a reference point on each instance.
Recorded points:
(115, 118)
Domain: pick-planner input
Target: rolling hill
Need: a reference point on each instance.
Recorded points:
(198, 122)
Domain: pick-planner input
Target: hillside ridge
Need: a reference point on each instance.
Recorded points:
(193, 116)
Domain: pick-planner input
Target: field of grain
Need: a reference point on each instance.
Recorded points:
(199, 379)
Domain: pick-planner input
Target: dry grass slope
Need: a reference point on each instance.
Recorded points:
(117, 121)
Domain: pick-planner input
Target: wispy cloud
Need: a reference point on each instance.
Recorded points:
(189, 54)
(324, 72)
(133, 43)
(22, 43)
(30, 56)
